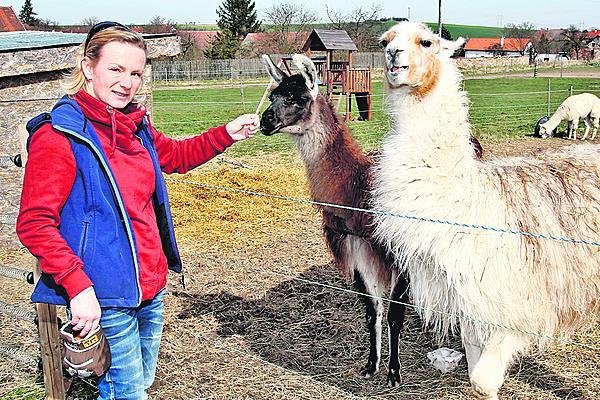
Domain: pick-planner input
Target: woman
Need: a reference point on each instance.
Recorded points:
(94, 209)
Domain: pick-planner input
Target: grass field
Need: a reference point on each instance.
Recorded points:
(502, 108)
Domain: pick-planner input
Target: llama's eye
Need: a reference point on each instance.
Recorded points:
(426, 43)
(383, 42)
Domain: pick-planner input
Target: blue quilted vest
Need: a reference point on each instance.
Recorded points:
(94, 221)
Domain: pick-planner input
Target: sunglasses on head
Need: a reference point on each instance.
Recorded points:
(100, 26)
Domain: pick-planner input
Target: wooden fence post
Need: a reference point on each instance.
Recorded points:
(47, 322)
(51, 350)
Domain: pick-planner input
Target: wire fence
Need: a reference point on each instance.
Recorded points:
(420, 219)
(169, 71)
(235, 97)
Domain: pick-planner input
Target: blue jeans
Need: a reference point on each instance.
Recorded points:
(134, 337)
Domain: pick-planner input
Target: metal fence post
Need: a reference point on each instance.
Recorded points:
(548, 101)
(242, 91)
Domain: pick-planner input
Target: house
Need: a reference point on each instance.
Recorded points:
(495, 47)
(549, 45)
(9, 21)
(200, 39)
(592, 45)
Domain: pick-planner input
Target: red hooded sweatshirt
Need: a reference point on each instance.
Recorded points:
(50, 174)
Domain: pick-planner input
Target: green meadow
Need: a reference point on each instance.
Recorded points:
(501, 108)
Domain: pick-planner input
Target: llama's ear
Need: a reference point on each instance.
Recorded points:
(308, 71)
(449, 47)
(276, 73)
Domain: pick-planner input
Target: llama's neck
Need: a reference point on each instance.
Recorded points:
(555, 119)
(434, 128)
(323, 129)
(330, 154)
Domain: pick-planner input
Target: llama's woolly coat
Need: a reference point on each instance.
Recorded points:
(491, 279)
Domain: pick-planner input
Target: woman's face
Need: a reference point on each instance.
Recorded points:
(117, 75)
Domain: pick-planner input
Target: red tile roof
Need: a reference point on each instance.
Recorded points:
(510, 44)
(593, 34)
(9, 21)
(201, 39)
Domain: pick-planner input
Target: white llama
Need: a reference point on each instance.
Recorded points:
(584, 105)
(506, 291)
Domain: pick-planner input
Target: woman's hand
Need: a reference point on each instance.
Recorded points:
(243, 126)
(85, 312)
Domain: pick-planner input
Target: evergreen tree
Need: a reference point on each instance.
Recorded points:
(27, 15)
(238, 17)
(224, 46)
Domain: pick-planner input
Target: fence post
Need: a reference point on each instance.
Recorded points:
(242, 91)
(571, 90)
(47, 321)
(548, 101)
(561, 66)
(50, 349)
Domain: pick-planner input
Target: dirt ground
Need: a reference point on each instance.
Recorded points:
(265, 315)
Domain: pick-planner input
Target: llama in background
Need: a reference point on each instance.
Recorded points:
(339, 173)
(585, 106)
(505, 291)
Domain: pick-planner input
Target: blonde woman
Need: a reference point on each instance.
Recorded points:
(94, 208)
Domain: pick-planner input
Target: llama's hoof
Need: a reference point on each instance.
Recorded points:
(369, 370)
(393, 378)
(484, 395)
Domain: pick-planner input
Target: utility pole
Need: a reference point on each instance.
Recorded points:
(440, 18)
(408, 13)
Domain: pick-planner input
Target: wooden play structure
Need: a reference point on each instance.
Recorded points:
(338, 76)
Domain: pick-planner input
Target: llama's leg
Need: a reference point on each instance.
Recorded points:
(574, 125)
(395, 317)
(586, 122)
(595, 124)
(374, 314)
(487, 373)
(472, 348)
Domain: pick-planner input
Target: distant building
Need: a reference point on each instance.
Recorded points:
(591, 51)
(274, 42)
(496, 47)
(201, 40)
(9, 21)
(549, 45)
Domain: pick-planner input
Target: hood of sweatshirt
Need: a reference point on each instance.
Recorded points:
(116, 127)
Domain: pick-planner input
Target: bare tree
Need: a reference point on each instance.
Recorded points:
(574, 40)
(90, 21)
(159, 24)
(289, 24)
(523, 32)
(360, 24)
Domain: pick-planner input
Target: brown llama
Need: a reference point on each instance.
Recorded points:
(339, 173)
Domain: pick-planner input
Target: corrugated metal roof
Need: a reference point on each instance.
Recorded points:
(25, 40)
(324, 39)
(9, 21)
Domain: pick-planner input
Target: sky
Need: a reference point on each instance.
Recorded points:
(584, 14)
